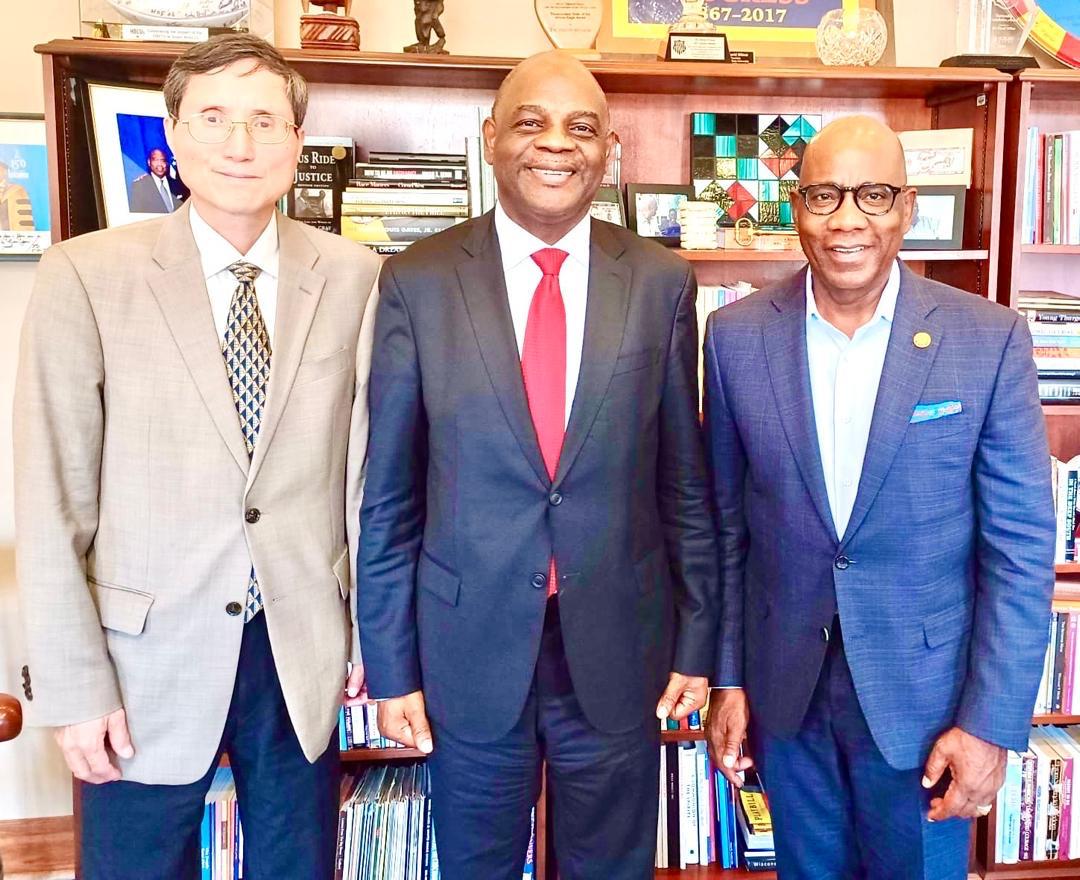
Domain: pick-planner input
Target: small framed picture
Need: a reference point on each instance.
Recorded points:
(24, 187)
(135, 173)
(653, 210)
(608, 205)
(938, 221)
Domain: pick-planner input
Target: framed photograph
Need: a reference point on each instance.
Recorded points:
(653, 210)
(768, 29)
(151, 19)
(938, 222)
(938, 157)
(608, 205)
(24, 187)
(135, 173)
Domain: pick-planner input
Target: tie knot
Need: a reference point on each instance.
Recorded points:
(245, 273)
(550, 260)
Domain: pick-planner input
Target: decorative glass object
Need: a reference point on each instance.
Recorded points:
(852, 37)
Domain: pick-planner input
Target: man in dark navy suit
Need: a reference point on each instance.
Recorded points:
(537, 556)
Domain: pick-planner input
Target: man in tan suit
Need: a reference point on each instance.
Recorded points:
(190, 425)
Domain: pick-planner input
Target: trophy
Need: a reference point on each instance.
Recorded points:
(330, 29)
(571, 25)
(694, 38)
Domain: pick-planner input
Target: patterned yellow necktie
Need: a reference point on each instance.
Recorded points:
(246, 349)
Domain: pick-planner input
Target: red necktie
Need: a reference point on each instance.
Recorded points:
(543, 366)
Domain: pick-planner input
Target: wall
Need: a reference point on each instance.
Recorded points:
(33, 781)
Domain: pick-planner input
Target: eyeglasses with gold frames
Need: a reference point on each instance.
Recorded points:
(213, 127)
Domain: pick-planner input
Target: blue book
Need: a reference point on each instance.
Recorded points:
(205, 843)
(343, 738)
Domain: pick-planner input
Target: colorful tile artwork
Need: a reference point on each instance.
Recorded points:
(749, 163)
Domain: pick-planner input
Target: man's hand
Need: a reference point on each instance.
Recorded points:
(404, 720)
(725, 729)
(683, 694)
(85, 750)
(978, 770)
(355, 691)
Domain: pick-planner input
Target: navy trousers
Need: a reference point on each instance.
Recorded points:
(289, 808)
(603, 787)
(840, 812)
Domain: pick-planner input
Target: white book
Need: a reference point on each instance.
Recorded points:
(701, 755)
(1008, 821)
(688, 806)
(661, 823)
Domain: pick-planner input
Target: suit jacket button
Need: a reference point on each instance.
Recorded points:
(539, 581)
(233, 609)
(825, 634)
(842, 562)
(252, 515)
(555, 498)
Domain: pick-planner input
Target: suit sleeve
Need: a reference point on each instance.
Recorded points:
(59, 420)
(355, 466)
(684, 497)
(1014, 576)
(393, 509)
(727, 467)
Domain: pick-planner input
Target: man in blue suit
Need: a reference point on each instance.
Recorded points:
(880, 469)
(537, 553)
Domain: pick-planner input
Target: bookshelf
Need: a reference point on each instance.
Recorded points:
(428, 104)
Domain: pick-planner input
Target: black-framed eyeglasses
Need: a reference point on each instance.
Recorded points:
(213, 127)
(874, 199)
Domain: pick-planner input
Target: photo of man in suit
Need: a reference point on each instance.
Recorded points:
(537, 553)
(156, 192)
(879, 467)
(190, 425)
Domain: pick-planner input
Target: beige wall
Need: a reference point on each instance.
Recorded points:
(34, 782)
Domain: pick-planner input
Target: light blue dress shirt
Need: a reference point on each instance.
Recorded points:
(844, 378)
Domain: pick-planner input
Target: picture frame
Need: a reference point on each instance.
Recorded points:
(764, 33)
(609, 206)
(938, 222)
(146, 20)
(25, 222)
(649, 208)
(125, 129)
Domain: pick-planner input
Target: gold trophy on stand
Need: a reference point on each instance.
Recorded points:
(694, 38)
(332, 28)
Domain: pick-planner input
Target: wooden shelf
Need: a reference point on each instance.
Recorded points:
(1053, 85)
(1069, 870)
(713, 872)
(360, 756)
(1067, 568)
(673, 736)
(1055, 718)
(752, 256)
(642, 77)
(1056, 249)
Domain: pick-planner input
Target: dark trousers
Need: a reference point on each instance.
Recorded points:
(603, 787)
(289, 807)
(840, 812)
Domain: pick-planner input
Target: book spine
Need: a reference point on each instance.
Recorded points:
(1061, 622)
(1070, 662)
(1027, 808)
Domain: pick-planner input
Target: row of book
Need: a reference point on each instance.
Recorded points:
(1059, 688)
(704, 820)
(1054, 321)
(358, 728)
(1065, 483)
(1034, 817)
(1051, 209)
(384, 828)
(709, 299)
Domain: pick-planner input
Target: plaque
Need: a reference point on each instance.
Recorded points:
(693, 38)
(571, 24)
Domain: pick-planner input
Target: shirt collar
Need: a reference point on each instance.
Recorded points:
(886, 307)
(517, 244)
(217, 254)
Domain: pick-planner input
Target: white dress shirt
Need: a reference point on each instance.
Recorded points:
(217, 255)
(844, 378)
(522, 275)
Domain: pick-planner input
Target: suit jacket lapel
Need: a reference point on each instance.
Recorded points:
(299, 292)
(483, 286)
(181, 295)
(789, 373)
(903, 378)
(605, 322)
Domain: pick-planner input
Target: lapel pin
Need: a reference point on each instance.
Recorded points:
(922, 339)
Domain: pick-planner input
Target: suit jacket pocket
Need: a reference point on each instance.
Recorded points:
(636, 360)
(437, 579)
(341, 572)
(948, 625)
(321, 366)
(121, 608)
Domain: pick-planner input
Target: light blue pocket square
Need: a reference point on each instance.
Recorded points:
(926, 412)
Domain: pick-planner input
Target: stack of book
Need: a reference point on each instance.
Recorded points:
(322, 171)
(1054, 321)
(358, 728)
(1034, 820)
(395, 199)
(686, 827)
(755, 825)
(1059, 688)
(1051, 209)
(221, 837)
(710, 298)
